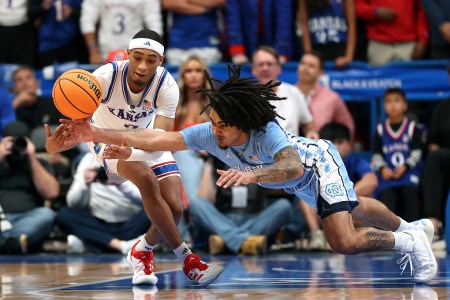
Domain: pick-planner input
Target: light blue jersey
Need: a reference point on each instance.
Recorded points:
(324, 171)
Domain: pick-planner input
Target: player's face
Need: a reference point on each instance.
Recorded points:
(226, 135)
(395, 106)
(309, 70)
(265, 67)
(25, 81)
(143, 64)
(193, 75)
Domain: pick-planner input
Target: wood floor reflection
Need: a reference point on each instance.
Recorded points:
(281, 276)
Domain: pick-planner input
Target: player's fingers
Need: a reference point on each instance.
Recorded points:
(227, 179)
(65, 121)
(232, 180)
(224, 177)
(48, 132)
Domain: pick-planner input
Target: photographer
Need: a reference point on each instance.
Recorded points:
(25, 182)
(101, 216)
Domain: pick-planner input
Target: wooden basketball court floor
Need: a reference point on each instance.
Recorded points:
(297, 275)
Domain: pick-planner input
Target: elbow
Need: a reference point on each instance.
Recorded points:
(53, 192)
(298, 169)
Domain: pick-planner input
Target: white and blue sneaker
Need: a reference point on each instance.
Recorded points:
(420, 257)
(426, 226)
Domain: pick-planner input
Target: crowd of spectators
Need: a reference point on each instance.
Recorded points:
(413, 182)
(88, 30)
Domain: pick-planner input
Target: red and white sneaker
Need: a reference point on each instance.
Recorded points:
(142, 264)
(200, 272)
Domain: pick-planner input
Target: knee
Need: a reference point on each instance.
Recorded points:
(343, 246)
(177, 211)
(45, 214)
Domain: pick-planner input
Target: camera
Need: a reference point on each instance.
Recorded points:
(19, 145)
(16, 158)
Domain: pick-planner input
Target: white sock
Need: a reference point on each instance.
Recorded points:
(402, 240)
(144, 246)
(182, 252)
(403, 225)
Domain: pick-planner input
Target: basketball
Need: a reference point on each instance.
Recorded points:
(77, 94)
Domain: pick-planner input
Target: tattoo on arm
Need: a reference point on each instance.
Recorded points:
(287, 166)
(377, 240)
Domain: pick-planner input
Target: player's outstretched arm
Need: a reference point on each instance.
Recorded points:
(287, 166)
(145, 139)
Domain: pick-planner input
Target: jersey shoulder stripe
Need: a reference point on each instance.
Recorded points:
(112, 84)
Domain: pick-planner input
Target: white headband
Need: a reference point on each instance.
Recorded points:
(147, 44)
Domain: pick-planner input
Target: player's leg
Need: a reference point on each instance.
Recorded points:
(375, 213)
(344, 238)
(336, 204)
(159, 212)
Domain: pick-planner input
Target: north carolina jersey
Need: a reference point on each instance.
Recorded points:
(324, 171)
(119, 20)
(122, 109)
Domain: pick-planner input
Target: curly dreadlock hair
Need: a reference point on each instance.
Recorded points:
(242, 102)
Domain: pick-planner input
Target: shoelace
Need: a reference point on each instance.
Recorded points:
(147, 261)
(403, 262)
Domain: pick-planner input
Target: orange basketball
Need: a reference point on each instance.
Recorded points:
(77, 94)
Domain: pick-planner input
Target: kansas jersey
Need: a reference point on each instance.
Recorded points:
(396, 147)
(324, 171)
(122, 109)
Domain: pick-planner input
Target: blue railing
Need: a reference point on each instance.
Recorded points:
(425, 80)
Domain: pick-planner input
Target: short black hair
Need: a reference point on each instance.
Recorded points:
(334, 131)
(395, 90)
(148, 34)
(242, 102)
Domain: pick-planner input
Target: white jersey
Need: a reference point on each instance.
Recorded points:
(119, 20)
(294, 109)
(13, 13)
(122, 109)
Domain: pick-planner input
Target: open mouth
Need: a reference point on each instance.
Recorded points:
(139, 76)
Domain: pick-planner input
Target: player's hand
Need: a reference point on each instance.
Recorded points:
(232, 176)
(79, 130)
(117, 152)
(386, 173)
(55, 142)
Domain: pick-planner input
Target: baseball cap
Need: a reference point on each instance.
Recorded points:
(16, 129)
